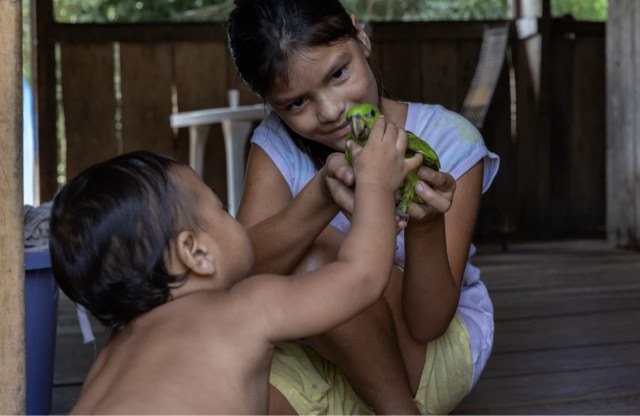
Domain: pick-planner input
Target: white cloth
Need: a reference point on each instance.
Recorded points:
(36, 225)
(459, 146)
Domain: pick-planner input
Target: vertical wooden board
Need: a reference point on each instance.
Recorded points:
(563, 51)
(12, 339)
(89, 104)
(497, 207)
(620, 125)
(468, 55)
(635, 177)
(400, 69)
(586, 156)
(45, 82)
(146, 85)
(201, 82)
(438, 62)
(529, 166)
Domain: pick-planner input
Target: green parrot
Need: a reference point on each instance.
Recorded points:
(361, 117)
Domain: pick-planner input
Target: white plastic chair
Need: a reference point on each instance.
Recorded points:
(236, 127)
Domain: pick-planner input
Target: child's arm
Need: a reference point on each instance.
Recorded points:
(311, 303)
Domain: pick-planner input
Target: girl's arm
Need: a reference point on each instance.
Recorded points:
(319, 300)
(281, 228)
(437, 250)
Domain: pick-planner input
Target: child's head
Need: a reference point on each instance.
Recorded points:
(265, 34)
(119, 231)
(307, 59)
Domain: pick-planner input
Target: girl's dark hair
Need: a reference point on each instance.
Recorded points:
(264, 35)
(109, 229)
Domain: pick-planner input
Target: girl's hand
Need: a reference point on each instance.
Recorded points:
(339, 180)
(436, 190)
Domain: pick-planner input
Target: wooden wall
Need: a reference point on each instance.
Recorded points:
(550, 183)
(623, 123)
(12, 345)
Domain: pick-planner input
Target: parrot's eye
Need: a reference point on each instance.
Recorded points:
(372, 113)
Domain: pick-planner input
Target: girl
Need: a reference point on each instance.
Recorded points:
(423, 345)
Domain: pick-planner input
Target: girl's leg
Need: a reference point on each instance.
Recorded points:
(278, 404)
(365, 348)
(413, 353)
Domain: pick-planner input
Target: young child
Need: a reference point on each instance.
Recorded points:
(424, 346)
(146, 246)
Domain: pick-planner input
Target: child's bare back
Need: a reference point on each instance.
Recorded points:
(160, 365)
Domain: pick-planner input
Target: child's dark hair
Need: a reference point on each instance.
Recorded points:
(109, 230)
(264, 34)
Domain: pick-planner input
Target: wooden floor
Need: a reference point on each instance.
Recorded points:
(567, 335)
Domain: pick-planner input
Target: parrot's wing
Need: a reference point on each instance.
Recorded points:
(417, 145)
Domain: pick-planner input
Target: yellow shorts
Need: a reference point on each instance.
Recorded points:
(314, 386)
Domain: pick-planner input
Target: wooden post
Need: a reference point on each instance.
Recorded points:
(532, 62)
(12, 350)
(43, 75)
(623, 123)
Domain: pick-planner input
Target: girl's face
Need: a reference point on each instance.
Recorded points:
(324, 82)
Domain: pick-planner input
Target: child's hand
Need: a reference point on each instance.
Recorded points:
(382, 160)
(340, 179)
(436, 190)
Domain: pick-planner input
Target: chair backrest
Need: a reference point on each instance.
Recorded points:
(485, 78)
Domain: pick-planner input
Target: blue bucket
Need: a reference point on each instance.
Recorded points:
(41, 315)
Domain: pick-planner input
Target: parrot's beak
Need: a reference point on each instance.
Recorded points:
(358, 126)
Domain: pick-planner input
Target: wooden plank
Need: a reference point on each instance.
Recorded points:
(526, 363)
(623, 164)
(578, 28)
(64, 399)
(138, 32)
(620, 275)
(405, 84)
(89, 104)
(562, 302)
(507, 393)
(201, 82)
(401, 32)
(44, 80)
(438, 61)
(12, 346)
(468, 54)
(146, 85)
(563, 48)
(601, 327)
(615, 405)
(586, 194)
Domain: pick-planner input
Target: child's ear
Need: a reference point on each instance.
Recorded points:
(194, 255)
(362, 34)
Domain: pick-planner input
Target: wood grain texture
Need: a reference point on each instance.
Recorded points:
(566, 338)
(623, 123)
(201, 82)
(89, 104)
(146, 84)
(12, 341)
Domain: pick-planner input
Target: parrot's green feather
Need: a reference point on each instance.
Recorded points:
(362, 117)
